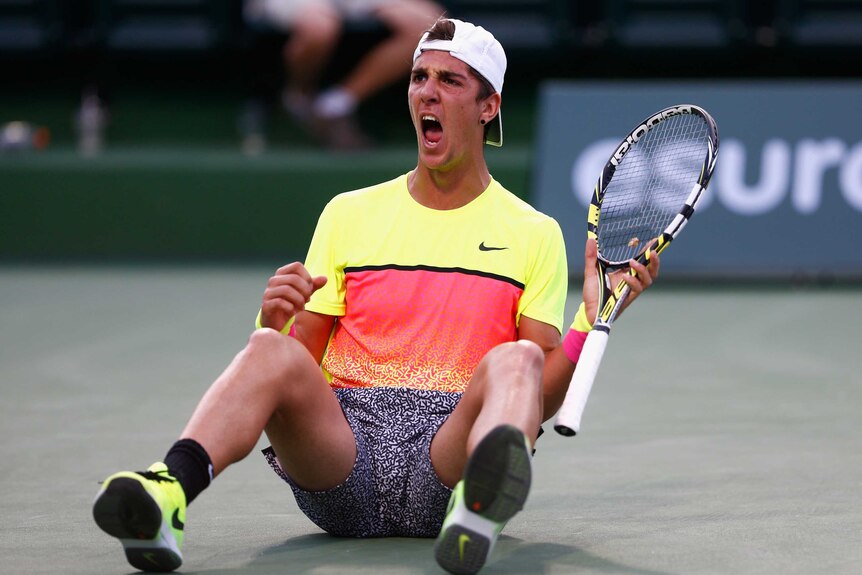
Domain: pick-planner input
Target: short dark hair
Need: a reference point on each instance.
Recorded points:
(444, 29)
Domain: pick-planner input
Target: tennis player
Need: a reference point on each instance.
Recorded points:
(409, 362)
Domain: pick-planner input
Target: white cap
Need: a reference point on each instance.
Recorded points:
(477, 48)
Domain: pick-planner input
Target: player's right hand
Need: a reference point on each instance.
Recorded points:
(286, 294)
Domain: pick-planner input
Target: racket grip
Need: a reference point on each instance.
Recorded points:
(568, 421)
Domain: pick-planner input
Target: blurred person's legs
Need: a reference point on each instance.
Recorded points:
(314, 29)
(334, 110)
(391, 59)
(314, 34)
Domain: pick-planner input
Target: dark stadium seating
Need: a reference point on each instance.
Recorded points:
(818, 24)
(29, 27)
(165, 25)
(546, 32)
(519, 24)
(676, 24)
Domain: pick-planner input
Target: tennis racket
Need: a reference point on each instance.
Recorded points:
(645, 195)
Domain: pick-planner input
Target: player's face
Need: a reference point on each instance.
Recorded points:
(443, 106)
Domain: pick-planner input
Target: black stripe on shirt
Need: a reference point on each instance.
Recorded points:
(425, 268)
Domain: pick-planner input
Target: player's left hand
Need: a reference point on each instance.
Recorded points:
(645, 276)
(286, 294)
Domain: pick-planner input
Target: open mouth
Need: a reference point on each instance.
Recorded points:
(432, 130)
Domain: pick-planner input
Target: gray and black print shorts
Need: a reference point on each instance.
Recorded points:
(393, 490)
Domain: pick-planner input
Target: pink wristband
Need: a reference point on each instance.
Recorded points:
(573, 343)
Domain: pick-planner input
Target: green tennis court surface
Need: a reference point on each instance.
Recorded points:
(732, 447)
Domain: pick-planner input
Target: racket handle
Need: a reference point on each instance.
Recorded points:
(568, 420)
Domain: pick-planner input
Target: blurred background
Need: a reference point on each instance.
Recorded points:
(160, 130)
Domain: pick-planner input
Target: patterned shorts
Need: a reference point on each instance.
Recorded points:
(393, 490)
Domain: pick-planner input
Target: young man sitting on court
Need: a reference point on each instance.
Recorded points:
(409, 362)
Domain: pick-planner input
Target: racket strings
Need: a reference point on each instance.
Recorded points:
(650, 186)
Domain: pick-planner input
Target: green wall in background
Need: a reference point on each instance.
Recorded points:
(188, 204)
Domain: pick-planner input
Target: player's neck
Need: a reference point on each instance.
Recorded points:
(448, 189)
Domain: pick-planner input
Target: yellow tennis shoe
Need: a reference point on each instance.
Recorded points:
(146, 511)
(494, 488)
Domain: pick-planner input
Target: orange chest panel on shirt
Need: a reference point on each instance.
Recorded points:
(418, 326)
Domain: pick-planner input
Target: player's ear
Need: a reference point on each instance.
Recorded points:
(490, 108)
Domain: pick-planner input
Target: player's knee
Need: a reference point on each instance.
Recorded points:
(275, 358)
(530, 356)
(268, 346)
(525, 351)
(523, 359)
(532, 348)
(264, 337)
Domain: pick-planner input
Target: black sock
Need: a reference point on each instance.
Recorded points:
(190, 464)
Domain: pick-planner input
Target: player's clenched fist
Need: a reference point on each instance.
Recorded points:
(286, 294)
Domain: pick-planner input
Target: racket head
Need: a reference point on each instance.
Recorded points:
(651, 184)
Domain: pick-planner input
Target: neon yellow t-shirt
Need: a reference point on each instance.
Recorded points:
(422, 295)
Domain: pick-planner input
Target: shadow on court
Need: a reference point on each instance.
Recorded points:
(320, 553)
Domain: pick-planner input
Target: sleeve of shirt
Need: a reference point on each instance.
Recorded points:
(324, 259)
(544, 297)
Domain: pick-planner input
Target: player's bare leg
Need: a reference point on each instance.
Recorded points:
(489, 437)
(505, 389)
(274, 385)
